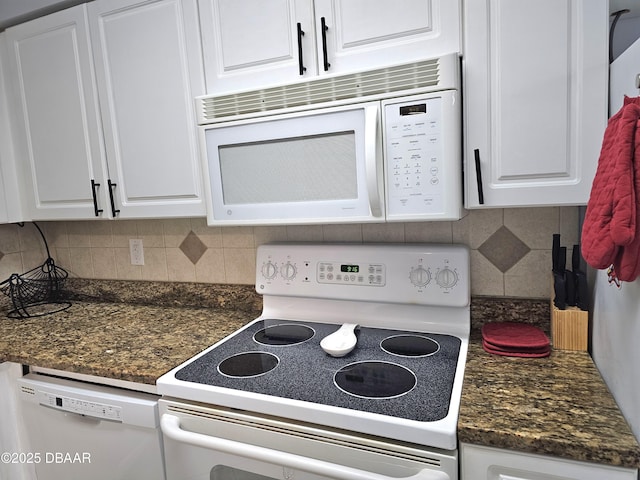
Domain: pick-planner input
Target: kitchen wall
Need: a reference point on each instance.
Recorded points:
(615, 327)
(615, 332)
(510, 248)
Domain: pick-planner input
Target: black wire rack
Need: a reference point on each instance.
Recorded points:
(39, 291)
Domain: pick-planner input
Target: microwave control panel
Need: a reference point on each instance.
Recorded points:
(422, 158)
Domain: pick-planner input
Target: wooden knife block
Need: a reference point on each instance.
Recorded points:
(569, 328)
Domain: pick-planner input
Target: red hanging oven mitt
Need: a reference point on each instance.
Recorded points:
(611, 221)
(627, 262)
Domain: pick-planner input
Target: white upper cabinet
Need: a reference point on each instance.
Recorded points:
(125, 127)
(250, 44)
(149, 68)
(10, 193)
(365, 34)
(57, 128)
(535, 86)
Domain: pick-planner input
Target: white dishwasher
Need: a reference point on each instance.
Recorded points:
(78, 430)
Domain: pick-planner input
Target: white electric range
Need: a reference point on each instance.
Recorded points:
(269, 402)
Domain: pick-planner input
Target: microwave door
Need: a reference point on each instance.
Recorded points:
(374, 160)
(313, 167)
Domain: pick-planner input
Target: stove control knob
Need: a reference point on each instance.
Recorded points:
(289, 271)
(447, 278)
(269, 270)
(420, 276)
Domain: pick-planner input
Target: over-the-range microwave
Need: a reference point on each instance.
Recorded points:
(383, 145)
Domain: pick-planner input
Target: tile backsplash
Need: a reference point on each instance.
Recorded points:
(510, 248)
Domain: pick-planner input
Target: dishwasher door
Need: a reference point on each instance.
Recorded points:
(78, 430)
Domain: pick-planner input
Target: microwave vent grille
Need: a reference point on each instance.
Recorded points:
(425, 75)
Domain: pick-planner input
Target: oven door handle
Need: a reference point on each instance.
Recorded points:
(170, 425)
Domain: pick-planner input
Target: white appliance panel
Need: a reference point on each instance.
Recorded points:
(368, 158)
(423, 170)
(269, 401)
(82, 430)
(419, 288)
(434, 275)
(213, 443)
(315, 167)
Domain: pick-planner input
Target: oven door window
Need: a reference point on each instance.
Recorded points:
(222, 472)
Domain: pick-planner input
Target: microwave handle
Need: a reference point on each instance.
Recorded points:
(170, 425)
(373, 158)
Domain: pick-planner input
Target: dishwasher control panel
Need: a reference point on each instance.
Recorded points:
(81, 407)
(44, 394)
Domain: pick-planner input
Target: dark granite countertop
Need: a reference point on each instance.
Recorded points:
(122, 339)
(135, 343)
(556, 406)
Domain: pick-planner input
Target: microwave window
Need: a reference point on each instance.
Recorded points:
(300, 169)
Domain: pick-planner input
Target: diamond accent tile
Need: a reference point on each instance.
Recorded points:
(193, 247)
(503, 249)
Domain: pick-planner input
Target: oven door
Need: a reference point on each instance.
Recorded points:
(319, 166)
(214, 443)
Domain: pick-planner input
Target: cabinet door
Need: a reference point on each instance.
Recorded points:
(5, 134)
(485, 463)
(13, 438)
(364, 34)
(148, 69)
(57, 130)
(4, 216)
(535, 83)
(254, 43)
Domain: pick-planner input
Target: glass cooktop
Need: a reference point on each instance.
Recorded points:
(395, 373)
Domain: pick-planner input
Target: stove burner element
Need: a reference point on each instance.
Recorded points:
(410, 345)
(249, 364)
(284, 334)
(374, 379)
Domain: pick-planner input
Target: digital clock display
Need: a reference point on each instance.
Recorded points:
(413, 109)
(350, 268)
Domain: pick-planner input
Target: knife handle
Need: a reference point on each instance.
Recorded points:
(562, 259)
(560, 291)
(575, 258)
(582, 292)
(571, 288)
(555, 252)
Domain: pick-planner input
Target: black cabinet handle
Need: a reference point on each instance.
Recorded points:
(324, 28)
(300, 62)
(94, 186)
(113, 203)
(476, 153)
